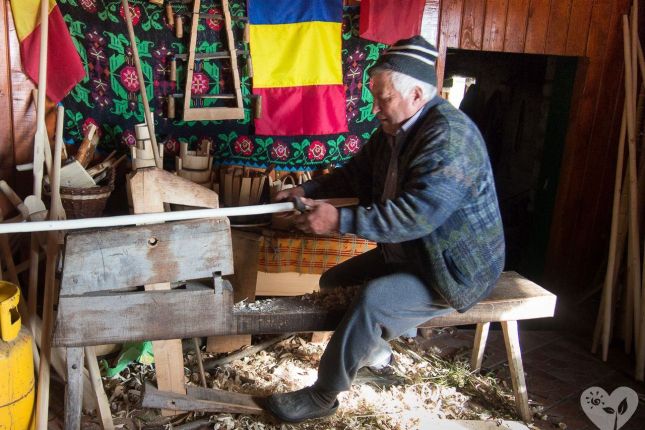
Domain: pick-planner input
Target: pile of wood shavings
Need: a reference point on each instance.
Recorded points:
(432, 389)
(332, 299)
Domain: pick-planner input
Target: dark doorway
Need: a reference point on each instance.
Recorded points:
(521, 105)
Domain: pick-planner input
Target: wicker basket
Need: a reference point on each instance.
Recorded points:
(87, 202)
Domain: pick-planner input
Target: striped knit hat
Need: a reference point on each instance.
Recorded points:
(414, 57)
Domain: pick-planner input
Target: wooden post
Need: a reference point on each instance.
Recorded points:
(634, 238)
(142, 84)
(53, 247)
(150, 188)
(609, 275)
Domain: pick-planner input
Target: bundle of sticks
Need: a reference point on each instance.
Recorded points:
(240, 186)
(624, 304)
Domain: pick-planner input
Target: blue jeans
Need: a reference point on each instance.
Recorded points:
(392, 301)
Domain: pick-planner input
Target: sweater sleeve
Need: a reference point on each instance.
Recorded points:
(439, 177)
(353, 179)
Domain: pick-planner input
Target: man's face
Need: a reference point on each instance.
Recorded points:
(390, 107)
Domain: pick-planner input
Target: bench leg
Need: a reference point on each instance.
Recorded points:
(102, 403)
(481, 335)
(512, 341)
(74, 388)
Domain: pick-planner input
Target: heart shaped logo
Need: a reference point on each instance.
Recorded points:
(609, 412)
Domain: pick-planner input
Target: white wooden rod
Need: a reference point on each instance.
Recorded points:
(150, 218)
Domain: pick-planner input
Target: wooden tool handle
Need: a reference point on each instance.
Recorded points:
(170, 15)
(86, 149)
(171, 107)
(179, 26)
(257, 107)
(173, 70)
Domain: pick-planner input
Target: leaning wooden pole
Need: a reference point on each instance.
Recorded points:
(608, 291)
(53, 247)
(40, 139)
(634, 237)
(142, 86)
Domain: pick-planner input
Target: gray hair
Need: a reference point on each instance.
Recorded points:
(404, 84)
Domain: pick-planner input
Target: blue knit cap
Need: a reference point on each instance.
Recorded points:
(414, 57)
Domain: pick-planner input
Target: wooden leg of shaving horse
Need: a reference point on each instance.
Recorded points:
(514, 354)
(481, 335)
(103, 406)
(74, 388)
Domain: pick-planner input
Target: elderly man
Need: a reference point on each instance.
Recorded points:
(427, 197)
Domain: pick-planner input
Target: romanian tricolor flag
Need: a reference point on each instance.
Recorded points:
(296, 51)
(64, 66)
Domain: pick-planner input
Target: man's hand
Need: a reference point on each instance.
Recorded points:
(323, 218)
(289, 194)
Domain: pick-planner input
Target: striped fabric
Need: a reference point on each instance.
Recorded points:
(300, 253)
(64, 66)
(296, 51)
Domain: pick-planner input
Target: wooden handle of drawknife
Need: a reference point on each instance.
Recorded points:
(170, 15)
(179, 26)
(171, 107)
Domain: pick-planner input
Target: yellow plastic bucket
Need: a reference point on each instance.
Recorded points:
(16, 364)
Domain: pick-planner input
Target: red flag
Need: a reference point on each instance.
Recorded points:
(387, 21)
(64, 66)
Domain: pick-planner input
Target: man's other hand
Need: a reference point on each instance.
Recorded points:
(289, 194)
(323, 218)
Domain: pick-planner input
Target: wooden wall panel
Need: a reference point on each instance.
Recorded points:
(495, 25)
(537, 26)
(449, 32)
(578, 27)
(430, 21)
(578, 237)
(569, 197)
(591, 30)
(6, 123)
(517, 17)
(556, 35)
(472, 26)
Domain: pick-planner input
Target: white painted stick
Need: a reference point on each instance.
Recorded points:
(151, 218)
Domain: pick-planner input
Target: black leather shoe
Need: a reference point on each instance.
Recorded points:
(297, 406)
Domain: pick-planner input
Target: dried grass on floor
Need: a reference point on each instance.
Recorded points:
(432, 388)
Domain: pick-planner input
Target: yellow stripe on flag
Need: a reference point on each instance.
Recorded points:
(26, 16)
(300, 54)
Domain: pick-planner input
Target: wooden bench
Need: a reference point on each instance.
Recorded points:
(101, 300)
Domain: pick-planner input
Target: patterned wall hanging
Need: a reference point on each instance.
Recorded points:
(104, 97)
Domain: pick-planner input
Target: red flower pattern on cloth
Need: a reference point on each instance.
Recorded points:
(135, 13)
(243, 146)
(351, 145)
(89, 5)
(128, 139)
(129, 79)
(316, 151)
(214, 24)
(280, 151)
(200, 83)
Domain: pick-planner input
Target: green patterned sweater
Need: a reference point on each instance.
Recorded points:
(445, 213)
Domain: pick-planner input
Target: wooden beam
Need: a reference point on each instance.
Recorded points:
(227, 402)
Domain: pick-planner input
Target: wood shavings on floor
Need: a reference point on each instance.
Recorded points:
(424, 388)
